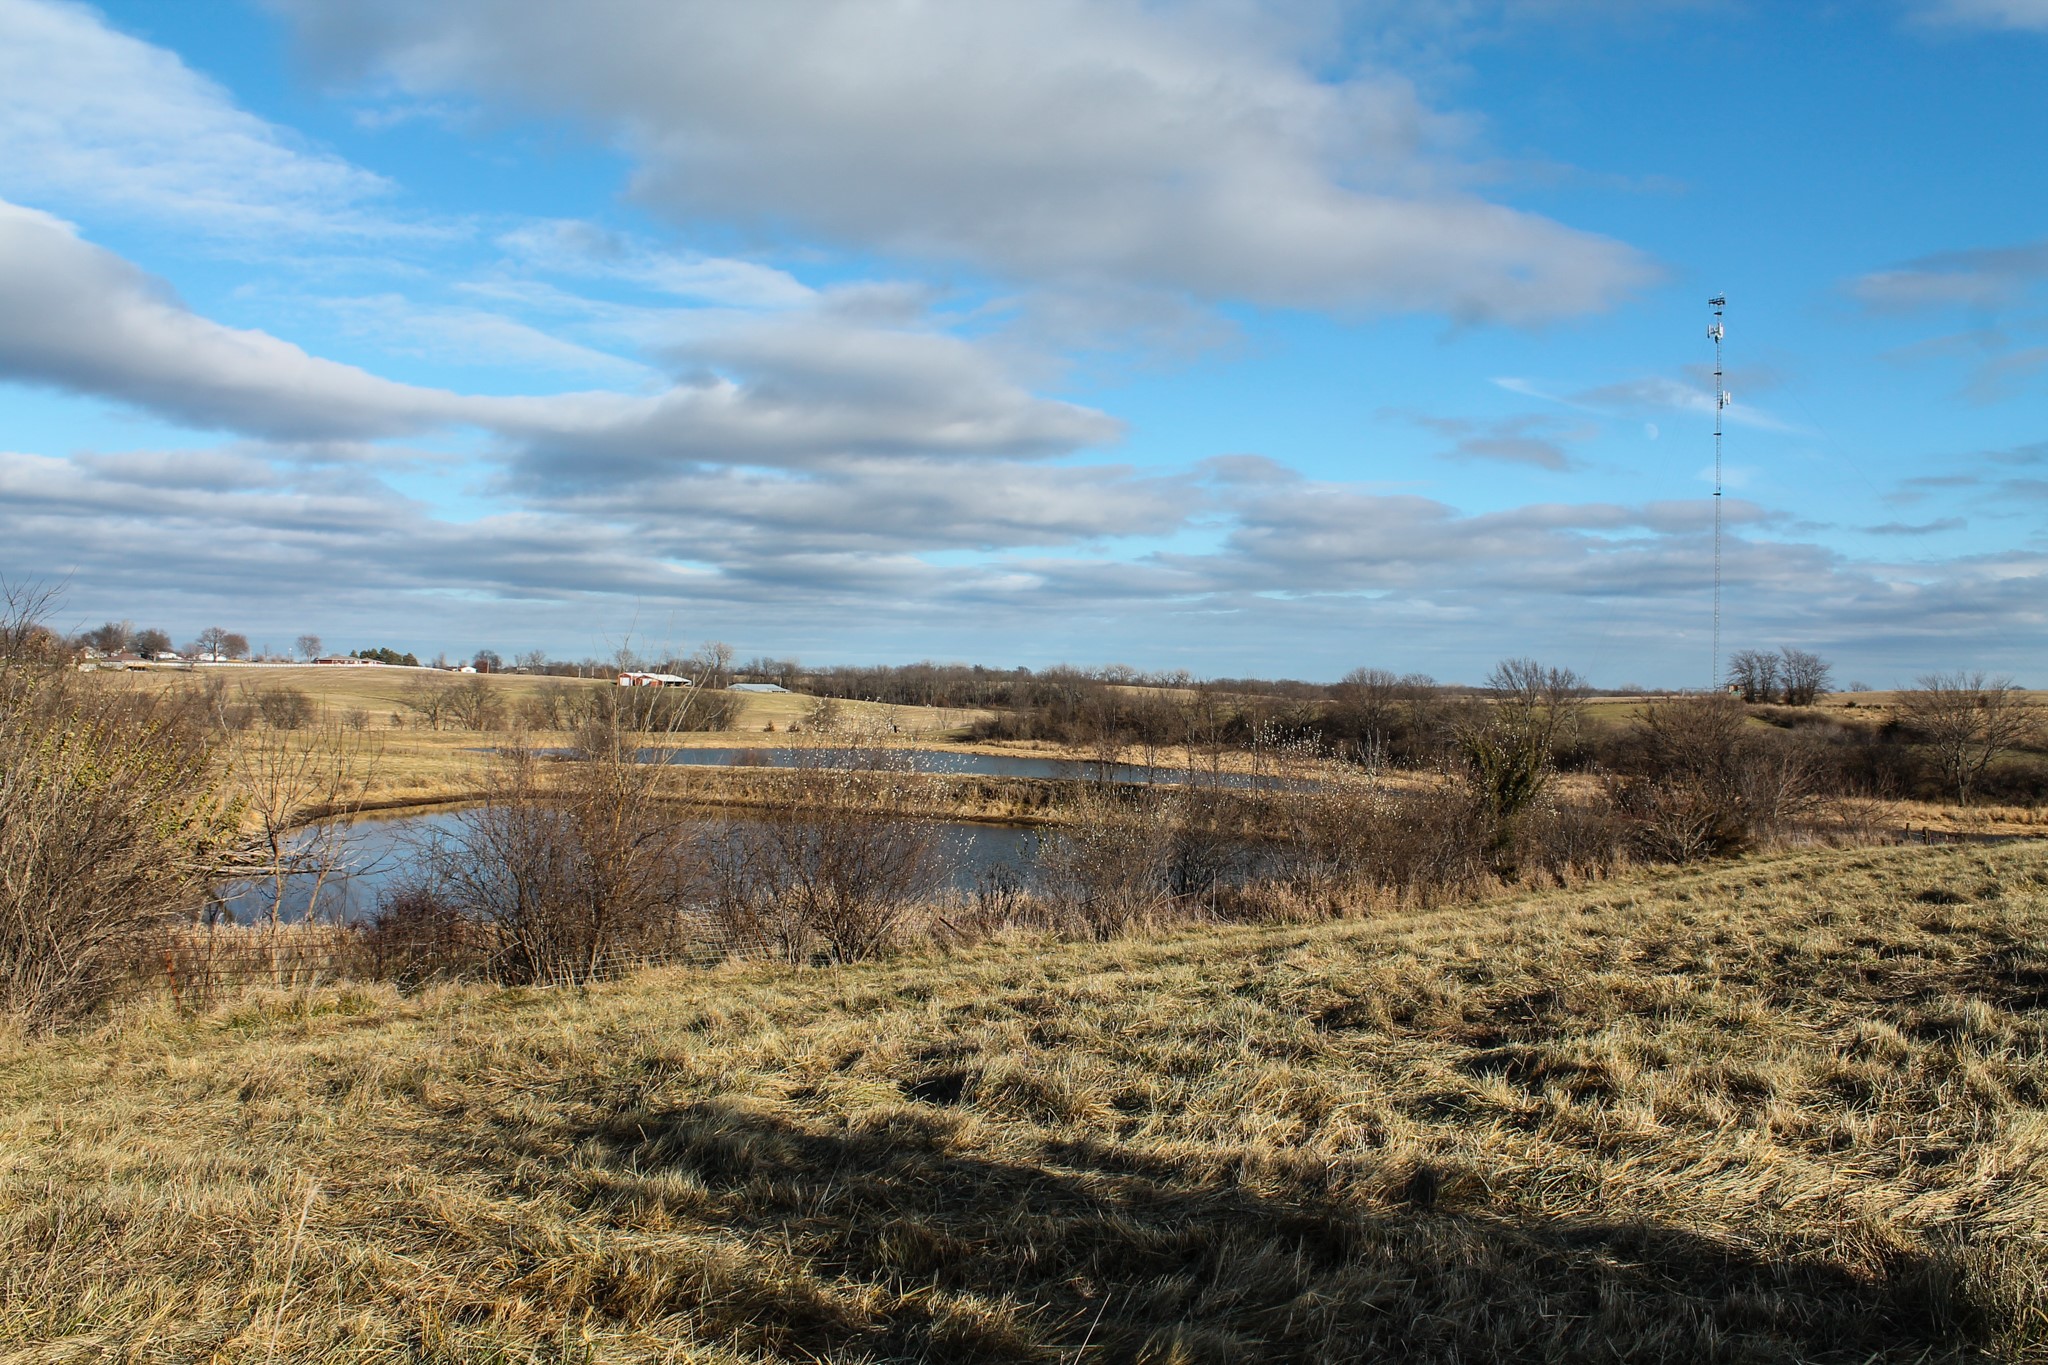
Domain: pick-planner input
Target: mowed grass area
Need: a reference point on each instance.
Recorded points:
(1786, 1109)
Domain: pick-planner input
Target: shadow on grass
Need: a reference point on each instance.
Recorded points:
(886, 1243)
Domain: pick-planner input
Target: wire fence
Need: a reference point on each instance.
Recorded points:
(199, 964)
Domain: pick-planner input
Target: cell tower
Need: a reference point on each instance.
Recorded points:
(1719, 303)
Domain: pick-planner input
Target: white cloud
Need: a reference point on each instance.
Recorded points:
(1993, 14)
(468, 336)
(1995, 287)
(781, 390)
(93, 118)
(1984, 278)
(575, 247)
(79, 317)
(1326, 574)
(1536, 438)
(1648, 394)
(1063, 142)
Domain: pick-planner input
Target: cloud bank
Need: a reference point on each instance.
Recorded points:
(1074, 145)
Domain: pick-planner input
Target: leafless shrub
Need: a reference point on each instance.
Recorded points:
(573, 871)
(109, 809)
(1429, 846)
(1965, 720)
(1698, 781)
(1508, 739)
(825, 716)
(416, 937)
(284, 708)
(570, 872)
(837, 861)
(1209, 849)
(1109, 865)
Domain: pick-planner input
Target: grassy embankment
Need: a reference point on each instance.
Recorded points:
(1787, 1109)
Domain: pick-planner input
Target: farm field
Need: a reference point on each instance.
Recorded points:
(1790, 1108)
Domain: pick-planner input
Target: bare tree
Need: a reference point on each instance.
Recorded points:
(211, 644)
(1966, 719)
(295, 792)
(1756, 673)
(152, 642)
(111, 638)
(1370, 699)
(475, 703)
(309, 646)
(429, 696)
(711, 665)
(1806, 676)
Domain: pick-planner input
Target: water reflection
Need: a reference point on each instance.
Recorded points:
(943, 761)
(376, 853)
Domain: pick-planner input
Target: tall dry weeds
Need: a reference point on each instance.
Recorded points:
(109, 810)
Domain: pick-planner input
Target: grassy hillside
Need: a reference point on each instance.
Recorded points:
(1784, 1110)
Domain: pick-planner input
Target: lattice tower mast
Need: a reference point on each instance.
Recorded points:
(1719, 303)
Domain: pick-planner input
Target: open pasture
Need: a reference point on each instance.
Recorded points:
(1784, 1109)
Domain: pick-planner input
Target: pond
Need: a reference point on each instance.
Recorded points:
(949, 761)
(378, 852)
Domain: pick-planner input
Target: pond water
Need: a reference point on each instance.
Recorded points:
(949, 761)
(378, 852)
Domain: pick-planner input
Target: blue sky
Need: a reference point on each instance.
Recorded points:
(1241, 338)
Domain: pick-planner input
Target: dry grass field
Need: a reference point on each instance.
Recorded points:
(413, 765)
(1785, 1109)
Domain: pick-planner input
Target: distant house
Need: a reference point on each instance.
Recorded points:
(349, 661)
(757, 687)
(639, 679)
(116, 661)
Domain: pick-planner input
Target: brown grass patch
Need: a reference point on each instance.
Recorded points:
(1784, 1109)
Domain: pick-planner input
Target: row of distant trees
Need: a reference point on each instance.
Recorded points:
(1795, 677)
(121, 637)
(216, 642)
